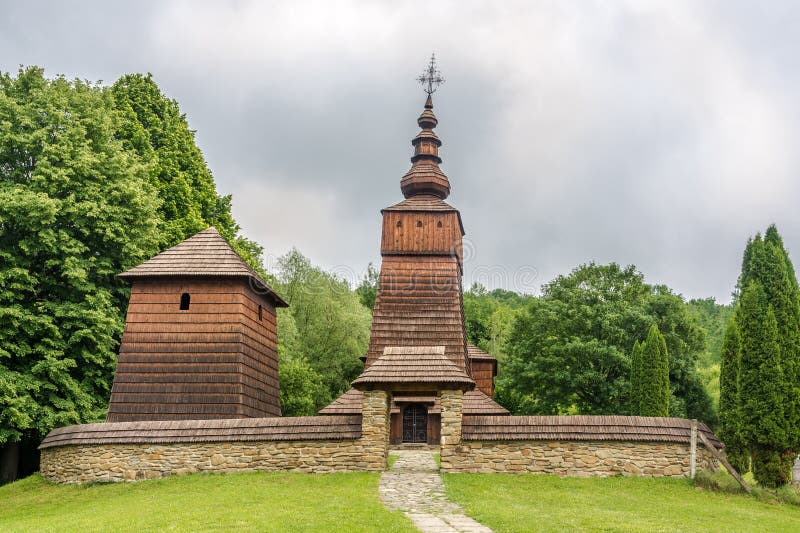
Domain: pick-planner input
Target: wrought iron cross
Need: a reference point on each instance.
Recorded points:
(431, 77)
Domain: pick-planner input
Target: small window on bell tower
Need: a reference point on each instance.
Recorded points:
(439, 224)
(260, 313)
(399, 223)
(419, 223)
(185, 299)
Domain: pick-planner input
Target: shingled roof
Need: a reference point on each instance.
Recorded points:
(239, 429)
(424, 365)
(478, 403)
(581, 427)
(348, 403)
(475, 403)
(473, 352)
(206, 254)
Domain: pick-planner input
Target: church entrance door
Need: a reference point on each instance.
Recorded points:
(415, 424)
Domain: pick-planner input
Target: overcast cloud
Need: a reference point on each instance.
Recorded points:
(661, 134)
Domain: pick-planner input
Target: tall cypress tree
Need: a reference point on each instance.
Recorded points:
(729, 398)
(654, 376)
(784, 296)
(663, 373)
(772, 442)
(636, 378)
(762, 390)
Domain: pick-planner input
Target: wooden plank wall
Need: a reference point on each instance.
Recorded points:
(214, 360)
(483, 374)
(418, 232)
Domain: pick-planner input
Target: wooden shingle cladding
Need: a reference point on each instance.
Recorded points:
(581, 427)
(406, 367)
(215, 360)
(348, 403)
(476, 402)
(200, 339)
(231, 430)
(419, 303)
(483, 369)
(204, 255)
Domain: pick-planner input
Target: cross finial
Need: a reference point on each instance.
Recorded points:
(431, 77)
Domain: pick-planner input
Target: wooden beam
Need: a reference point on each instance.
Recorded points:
(693, 450)
(721, 458)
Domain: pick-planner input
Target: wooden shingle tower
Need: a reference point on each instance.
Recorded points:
(200, 337)
(418, 343)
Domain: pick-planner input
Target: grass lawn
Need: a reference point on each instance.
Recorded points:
(391, 460)
(530, 502)
(236, 502)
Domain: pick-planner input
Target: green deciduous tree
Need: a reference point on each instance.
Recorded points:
(332, 325)
(367, 290)
(568, 351)
(153, 127)
(488, 316)
(76, 209)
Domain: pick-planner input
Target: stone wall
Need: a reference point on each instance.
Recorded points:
(129, 462)
(576, 458)
(375, 423)
(147, 450)
(452, 402)
(133, 461)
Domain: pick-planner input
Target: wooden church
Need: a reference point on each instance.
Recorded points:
(200, 337)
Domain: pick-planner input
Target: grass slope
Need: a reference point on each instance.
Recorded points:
(236, 502)
(529, 502)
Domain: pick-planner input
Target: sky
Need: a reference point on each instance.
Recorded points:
(659, 134)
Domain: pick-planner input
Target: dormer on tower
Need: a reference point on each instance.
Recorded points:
(200, 337)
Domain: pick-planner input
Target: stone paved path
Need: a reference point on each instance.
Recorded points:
(414, 486)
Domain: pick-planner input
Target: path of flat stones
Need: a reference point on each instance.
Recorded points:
(414, 486)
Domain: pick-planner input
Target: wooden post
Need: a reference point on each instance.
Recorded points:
(693, 450)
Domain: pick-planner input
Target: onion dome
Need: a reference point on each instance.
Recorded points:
(425, 176)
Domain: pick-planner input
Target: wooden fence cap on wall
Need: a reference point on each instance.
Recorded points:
(206, 254)
(582, 427)
(226, 430)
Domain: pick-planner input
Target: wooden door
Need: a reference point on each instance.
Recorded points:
(415, 424)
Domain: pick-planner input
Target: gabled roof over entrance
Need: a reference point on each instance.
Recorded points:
(475, 403)
(206, 254)
(409, 365)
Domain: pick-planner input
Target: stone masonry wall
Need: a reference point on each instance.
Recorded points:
(375, 420)
(452, 402)
(129, 462)
(576, 458)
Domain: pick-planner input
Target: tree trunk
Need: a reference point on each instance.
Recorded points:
(9, 461)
